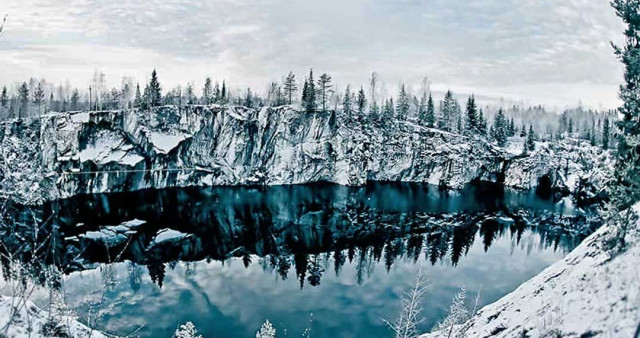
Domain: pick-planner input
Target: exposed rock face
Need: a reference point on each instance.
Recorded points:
(65, 154)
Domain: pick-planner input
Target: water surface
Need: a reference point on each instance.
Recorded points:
(327, 258)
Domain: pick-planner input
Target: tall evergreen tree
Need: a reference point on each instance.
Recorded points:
(346, 102)
(290, 86)
(500, 128)
(310, 96)
(482, 123)
(137, 101)
(625, 189)
(23, 94)
(155, 91)
(570, 127)
(38, 96)
(605, 133)
(448, 111)
(75, 99)
(324, 89)
(472, 115)
(207, 92)
(4, 99)
(224, 96)
(531, 139)
(422, 108)
(362, 102)
(402, 105)
(430, 119)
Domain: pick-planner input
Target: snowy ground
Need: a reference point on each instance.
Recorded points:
(590, 293)
(29, 320)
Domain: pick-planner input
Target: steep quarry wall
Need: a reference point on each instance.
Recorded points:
(64, 154)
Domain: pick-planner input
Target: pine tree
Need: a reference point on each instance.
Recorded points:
(224, 97)
(523, 131)
(155, 92)
(4, 99)
(75, 98)
(482, 123)
(625, 188)
(23, 94)
(207, 92)
(402, 106)
(248, 99)
(38, 96)
(138, 99)
(447, 111)
(362, 101)
(512, 128)
(189, 93)
(605, 133)
(216, 93)
(324, 89)
(472, 115)
(570, 128)
(430, 119)
(531, 139)
(346, 102)
(422, 107)
(290, 86)
(310, 102)
(500, 128)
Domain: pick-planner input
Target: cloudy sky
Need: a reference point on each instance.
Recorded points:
(553, 52)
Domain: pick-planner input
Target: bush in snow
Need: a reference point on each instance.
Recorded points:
(266, 331)
(405, 325)
(457, 314)
(187, 330)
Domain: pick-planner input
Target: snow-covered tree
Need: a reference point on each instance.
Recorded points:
(457, 314)
(362, 102)
(38, 96)
(324, 90)
(309, 94)
(23, 94)
(402, 105)
(531, 139)
(266, 330)
(605, 133)
(430, 118)
(472, 115)
(155, 91)
(500, 128)
(207, 92)
(186, 330)
(447, 111)
(346, 102)
(405, 326)
(625, 188)
(290, 86)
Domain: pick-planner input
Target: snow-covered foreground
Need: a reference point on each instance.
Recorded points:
(590, 293)
(30, 321)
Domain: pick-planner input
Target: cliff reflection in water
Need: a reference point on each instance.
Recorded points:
(293, 227)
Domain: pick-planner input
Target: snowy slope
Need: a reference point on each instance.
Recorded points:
(28, 321)
(65, 154)
(590, 293)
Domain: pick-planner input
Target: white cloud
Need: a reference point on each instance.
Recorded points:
(520, 47)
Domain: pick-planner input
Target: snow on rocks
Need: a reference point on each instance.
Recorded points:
(167, 235)
(591, 292)
(65, 154)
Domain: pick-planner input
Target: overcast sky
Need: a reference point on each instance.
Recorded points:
(553, 52)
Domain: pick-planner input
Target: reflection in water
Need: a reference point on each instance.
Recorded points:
(338, 241)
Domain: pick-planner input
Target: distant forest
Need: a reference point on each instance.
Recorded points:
(452, 113)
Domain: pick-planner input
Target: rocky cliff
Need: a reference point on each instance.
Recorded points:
(65, 154)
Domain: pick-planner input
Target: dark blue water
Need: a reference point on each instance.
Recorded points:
(327, 258)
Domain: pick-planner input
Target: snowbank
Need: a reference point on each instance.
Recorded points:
(589, 293)
(28, 321)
